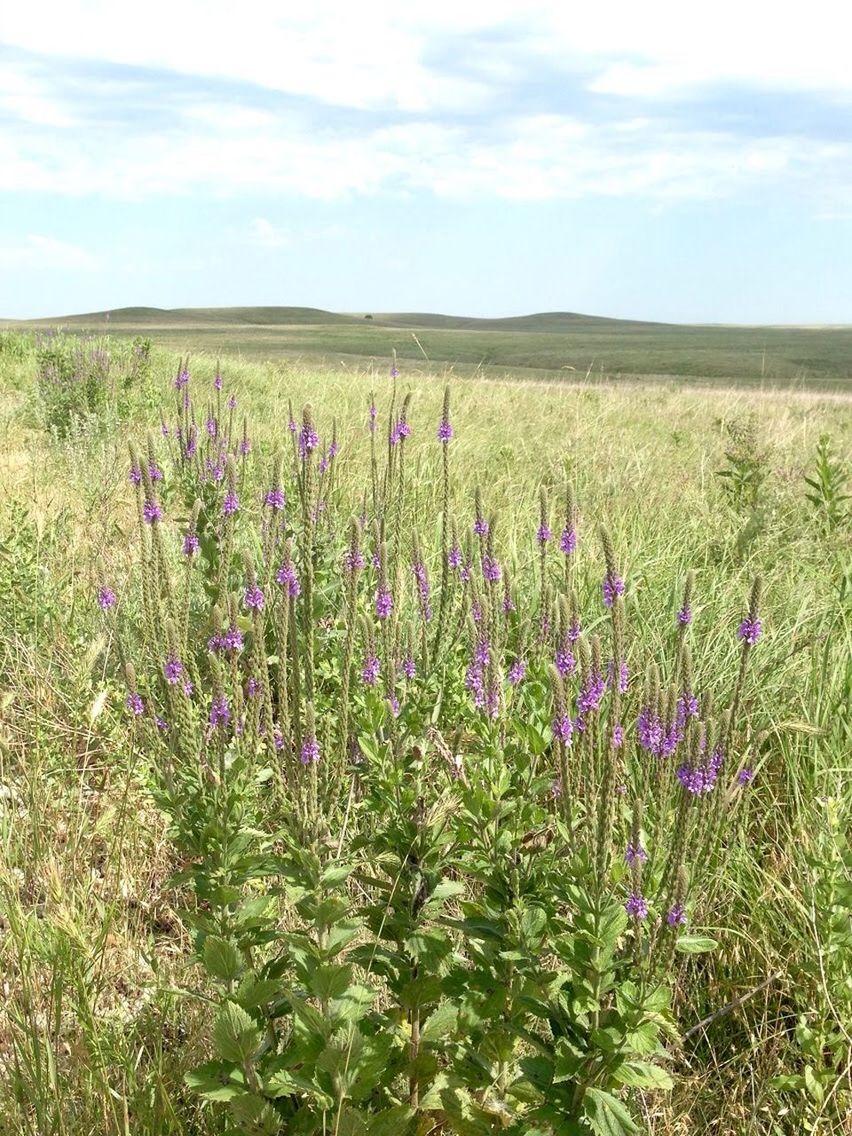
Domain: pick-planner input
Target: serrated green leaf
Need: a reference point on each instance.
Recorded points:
(643, 1075)
(440, 1023)
(607, 1115)
(221, 959)
(216, 1081)
(236, 1036)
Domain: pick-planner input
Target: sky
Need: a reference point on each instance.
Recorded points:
(657, 160)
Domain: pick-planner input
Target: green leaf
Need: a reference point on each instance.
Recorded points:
(336, 874)
(643, 1075)
(329, 982)
(606, 1114)
(392, 1122)
(440, 1023)
(236, 1036)
(221, 959)
(695, 944)
(215, 1081)
(256, 1115)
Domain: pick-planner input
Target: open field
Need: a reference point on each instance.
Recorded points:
(548, 345)
(110, 996)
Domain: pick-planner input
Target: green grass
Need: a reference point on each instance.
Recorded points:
(93, 1038)
(544, 346)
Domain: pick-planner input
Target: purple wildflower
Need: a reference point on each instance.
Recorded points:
(409, 667)
(232, 402)
(191, 544)
(231, 504)
(370, 670)
(562, 728)
(565, 662)
(164, 429)
(310, 751)
(353, 561)
(568, 541)
(106, 598)
(173, 670)
(134, 703)
(217, 382)
(750, 630)
(252, 687)
(244, 447)
(623, 675)
(394, 371)
(286, 577)
(423, 590)
(373, 414)
(480, 527)
(187, 687)
(254, 597)
(744, 776)
(508, 603)
(135, 475)
(637, 905)
(676, 915)
(384, 603)
(160, 723)
(220, 712)
(649, 730)
(454, 557)
(617, 736)
(151, 512)
(212, 427)
(490, 569)
(308, 440)
(634, 853)
(517, 672)
(543, 534)
(591, 694)
(275, 498)
(684, 616)
(393, 704)
(232, 639)
(445, 431)
(181, 380)
(611, 587)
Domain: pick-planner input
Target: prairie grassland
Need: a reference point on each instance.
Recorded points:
(103, 1009)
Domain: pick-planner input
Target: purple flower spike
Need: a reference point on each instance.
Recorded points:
(563, 728)
(217, 382)
(684, 616)
(181, 380)
(634, 853)
(231, 504)
(394, 372)
(744, 776)
(254, 597)
(676, 916)
(220, 712)
(517, 672)
(454, 557)
(480, 527)
(106, 598)
(135, 475)
(617, 736)
(370, 671)
(750, 630)
(152, 512)
(409, 667)
(173, 670)
(134, 703)
(275, 499)
(490, 569)
(353, 561)
(384, 603)
(544, 534)
(310, 751)
(445, 432)
(568, 541)
(287, 578)
(611, 587)
(232, 402)
(191, 544)
(637, 906)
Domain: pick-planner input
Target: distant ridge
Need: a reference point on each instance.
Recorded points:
(552, 322)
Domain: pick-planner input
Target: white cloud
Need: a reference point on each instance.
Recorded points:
(42, 253)
(380, 53)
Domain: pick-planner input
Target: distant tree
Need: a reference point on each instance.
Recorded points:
(368, 317)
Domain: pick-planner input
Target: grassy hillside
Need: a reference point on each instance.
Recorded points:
(543, 346)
